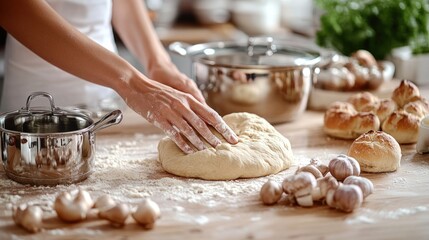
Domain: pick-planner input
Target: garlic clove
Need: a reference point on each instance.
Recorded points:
(28, 217)
(117, 215)
(147, 213)
(104, 202)
(271, 192)
(73, 208)
(85, 198)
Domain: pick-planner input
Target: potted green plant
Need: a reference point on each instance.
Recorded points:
(378, 26)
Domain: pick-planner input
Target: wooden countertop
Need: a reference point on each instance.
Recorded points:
(398, 209)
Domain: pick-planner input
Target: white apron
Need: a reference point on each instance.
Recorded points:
(25, 72)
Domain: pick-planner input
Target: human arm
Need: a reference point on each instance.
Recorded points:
(132, 23)
(42, 30)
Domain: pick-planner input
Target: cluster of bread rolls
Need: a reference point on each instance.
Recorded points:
(358, 72)
(399, 115)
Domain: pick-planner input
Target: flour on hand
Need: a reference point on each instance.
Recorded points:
(261, 151)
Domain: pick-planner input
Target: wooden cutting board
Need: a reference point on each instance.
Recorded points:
(398, 209)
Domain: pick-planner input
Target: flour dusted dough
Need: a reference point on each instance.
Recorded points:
(260, 151)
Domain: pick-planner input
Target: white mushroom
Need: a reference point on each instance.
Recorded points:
(323, 185)
(343, 166)
(364, 183)
(310, 169)
(147, 213)
(324, 169)
(73, 208)
(28, 217)
(345, 198)
(271, 192)
(116, 215)
(300, 187)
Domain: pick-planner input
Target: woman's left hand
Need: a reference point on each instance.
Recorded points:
(169, 75)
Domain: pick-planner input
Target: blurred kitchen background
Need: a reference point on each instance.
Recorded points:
(198, 21)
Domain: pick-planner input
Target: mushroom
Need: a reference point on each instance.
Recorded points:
(364, 183)
(271, 192)
(116, 215)
(73, 208)
(147, 213)
(315, 167)
(345, 198)
(28, 217)
(323, 185)
(343, 166)
(300, 187)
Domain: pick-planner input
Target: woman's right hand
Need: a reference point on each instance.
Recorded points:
(178, 114)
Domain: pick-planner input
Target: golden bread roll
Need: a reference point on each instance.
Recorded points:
(376, 151)
(364, 58)
(406, 92)
(385, 107)
(403, 126)
(420, 108)
(341, 120)
(364, 100)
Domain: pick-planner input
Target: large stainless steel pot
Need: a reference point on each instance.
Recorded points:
(49, 147)
(261, 76)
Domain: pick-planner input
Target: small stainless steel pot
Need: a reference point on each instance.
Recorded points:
(261, 76)
(50, 147)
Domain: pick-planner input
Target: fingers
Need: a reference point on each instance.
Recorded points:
(187, 131)
(213, 118)
(202, 129)
(175, 135)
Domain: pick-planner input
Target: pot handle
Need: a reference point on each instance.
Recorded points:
(112, 118)
(179, 48)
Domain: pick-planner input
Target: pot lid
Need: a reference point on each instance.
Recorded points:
(256, 53)
(39, 120)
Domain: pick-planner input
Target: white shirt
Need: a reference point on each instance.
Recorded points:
(25, 72)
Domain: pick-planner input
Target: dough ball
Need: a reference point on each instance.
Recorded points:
(261, 151)
(376, 152)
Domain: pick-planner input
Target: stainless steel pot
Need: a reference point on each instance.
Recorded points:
(261, 76)
(50, 147)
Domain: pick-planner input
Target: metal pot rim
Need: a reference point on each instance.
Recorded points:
(201, 53)
(54, 122)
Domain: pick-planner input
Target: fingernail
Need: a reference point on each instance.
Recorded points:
(201, 146)
(217, 142)
(234, 138)
(188, 150)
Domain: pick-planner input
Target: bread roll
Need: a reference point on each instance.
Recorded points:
(341, 120)
(385, 107)
(403, 126)
(406, 92)
(419, 108)
(364, 58)
(376, 151)
(364, 100)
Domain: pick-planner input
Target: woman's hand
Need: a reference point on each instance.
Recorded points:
(178, 114)
(169, 75)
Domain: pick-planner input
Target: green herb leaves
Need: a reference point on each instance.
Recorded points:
(374, 25)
